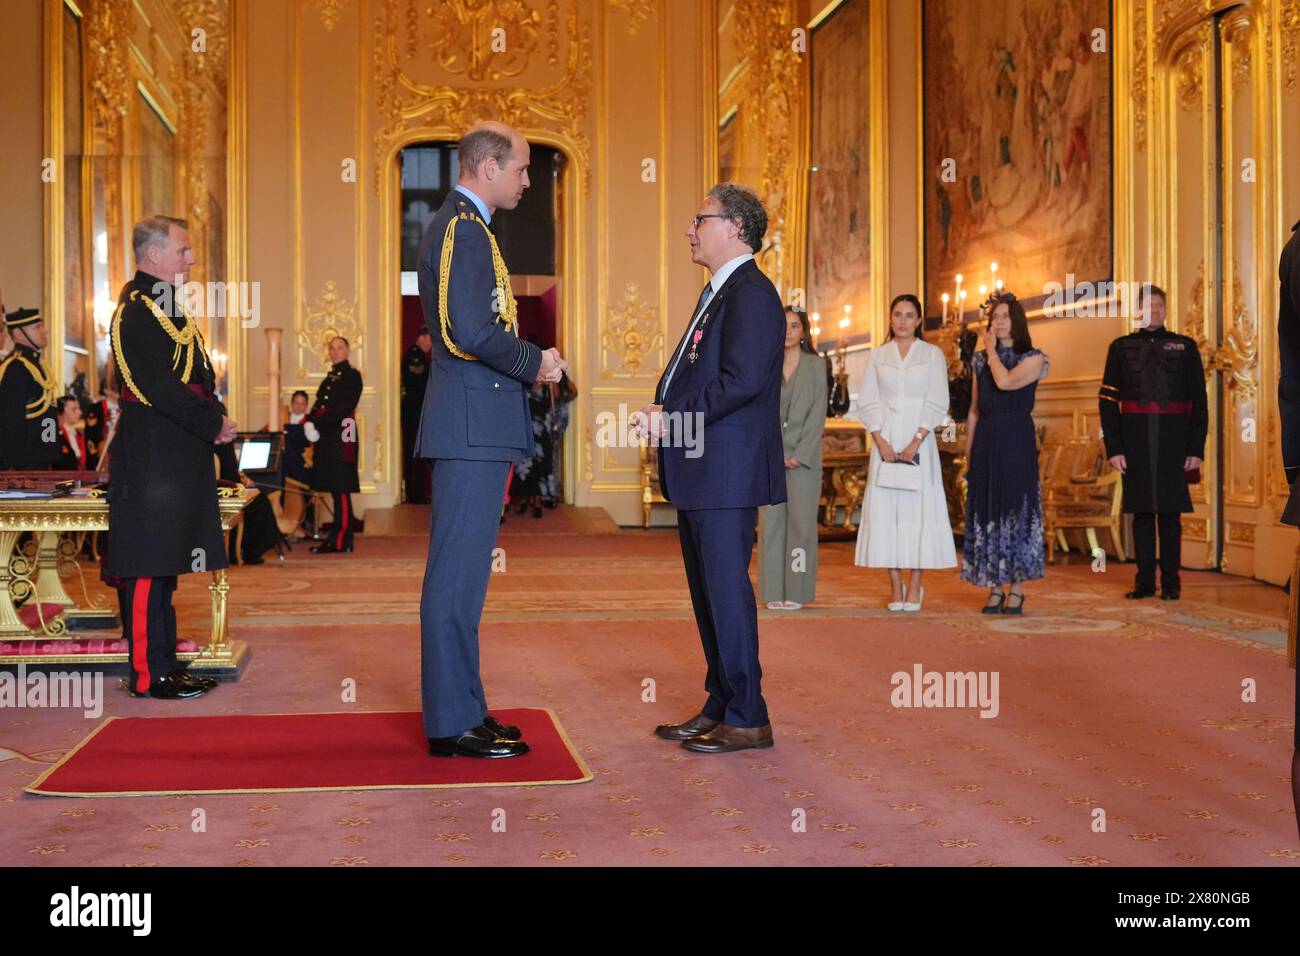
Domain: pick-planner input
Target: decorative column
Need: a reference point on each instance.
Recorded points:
(274, 421)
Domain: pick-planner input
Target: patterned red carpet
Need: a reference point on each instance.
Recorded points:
(1106, 713)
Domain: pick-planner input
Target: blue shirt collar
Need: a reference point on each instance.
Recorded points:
(482, 209)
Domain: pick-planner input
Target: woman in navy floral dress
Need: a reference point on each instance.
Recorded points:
(1004, 509)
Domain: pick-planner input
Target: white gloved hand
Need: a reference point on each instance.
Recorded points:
(310, 431)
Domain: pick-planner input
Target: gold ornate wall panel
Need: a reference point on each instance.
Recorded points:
(610, 84)
(763, 95)
(1208, 98)
(139, 62)
(450, 64)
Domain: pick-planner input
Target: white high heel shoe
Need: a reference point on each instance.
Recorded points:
(896, 605)
(920, 599)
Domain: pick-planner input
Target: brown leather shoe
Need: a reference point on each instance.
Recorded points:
(695, 727)
(726, 739)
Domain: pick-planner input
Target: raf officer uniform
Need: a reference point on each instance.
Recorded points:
(334, 462)
(474, 426)
(1153, 412)
(28, 423)
(162, 498)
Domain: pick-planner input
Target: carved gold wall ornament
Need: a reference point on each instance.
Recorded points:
(483, 41)
(1238, 356)
(213, 18)
(1190, 80)
(631, 334)
(772, 84)
(454, 89)
(1139, 87)
(327, 317)
(1241, 533)
(1237, 34)
(107, 73)
(637, 12)
(329, 11)
(1288, 12)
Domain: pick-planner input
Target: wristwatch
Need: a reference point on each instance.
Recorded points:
(920, 435)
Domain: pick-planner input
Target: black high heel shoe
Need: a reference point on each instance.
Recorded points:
(994, 608)
(1017, 608)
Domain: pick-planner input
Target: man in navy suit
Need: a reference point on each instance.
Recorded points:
(717, 420)
(473, 427)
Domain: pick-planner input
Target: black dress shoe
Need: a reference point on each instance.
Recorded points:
(1018, 607)
(185, 674)
(504, 731)
(1138, 594)
(171, 687)
(476, 742)
(328, 548)
(1170, 594)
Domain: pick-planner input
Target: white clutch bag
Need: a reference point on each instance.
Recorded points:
(900, 474)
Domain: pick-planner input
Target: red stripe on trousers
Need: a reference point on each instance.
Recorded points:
(346, 519)
(140, 633)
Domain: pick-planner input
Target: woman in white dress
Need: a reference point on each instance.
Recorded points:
(903, 398)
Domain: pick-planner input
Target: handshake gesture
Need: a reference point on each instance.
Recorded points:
(553, 367)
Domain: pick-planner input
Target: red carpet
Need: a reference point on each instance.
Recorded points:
(282, 753)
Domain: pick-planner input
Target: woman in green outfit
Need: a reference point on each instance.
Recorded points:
(787, 551)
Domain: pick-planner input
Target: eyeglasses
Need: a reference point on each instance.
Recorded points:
(695, 220)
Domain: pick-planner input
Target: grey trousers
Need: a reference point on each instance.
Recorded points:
(464, 518)
(787, 549)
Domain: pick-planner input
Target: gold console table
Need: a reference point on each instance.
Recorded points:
(23, 575)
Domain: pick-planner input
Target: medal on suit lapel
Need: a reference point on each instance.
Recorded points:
(694, 353)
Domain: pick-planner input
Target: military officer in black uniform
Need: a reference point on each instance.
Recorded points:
(29, 439)
(334, 432)
(1154, 419)
(415, 378)
(162, 499)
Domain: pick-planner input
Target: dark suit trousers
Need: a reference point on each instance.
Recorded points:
(464, 518)
(149, 628)
(1171, 549)
(716, 547)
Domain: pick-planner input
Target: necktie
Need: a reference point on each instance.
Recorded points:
(686, 340)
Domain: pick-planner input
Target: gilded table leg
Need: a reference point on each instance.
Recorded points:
(49, 586)
(11, 626)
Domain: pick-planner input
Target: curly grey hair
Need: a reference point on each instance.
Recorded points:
(742, 204)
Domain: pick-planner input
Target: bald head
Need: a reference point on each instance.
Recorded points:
(494, 164)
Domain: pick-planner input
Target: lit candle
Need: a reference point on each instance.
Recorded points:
(944, 298)
(957, 292)
(961, 303)
(998, 285)
(984, 291)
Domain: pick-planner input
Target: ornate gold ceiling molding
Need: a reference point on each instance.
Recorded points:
(468, 87)
(630, 336)
(637, 12)
(327, 317)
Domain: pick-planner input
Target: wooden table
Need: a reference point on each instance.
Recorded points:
(23, 575)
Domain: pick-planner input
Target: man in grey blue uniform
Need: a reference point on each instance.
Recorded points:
(473, 427)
